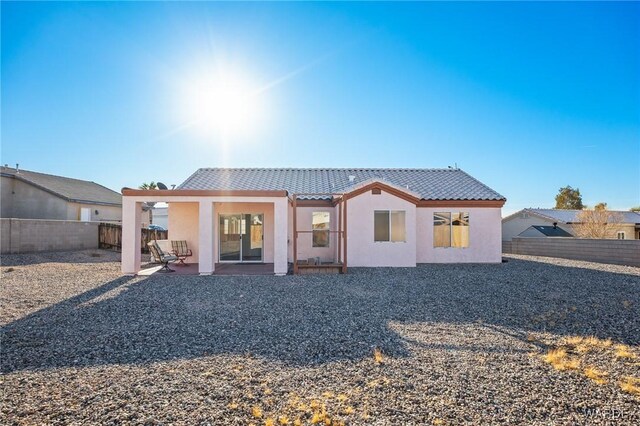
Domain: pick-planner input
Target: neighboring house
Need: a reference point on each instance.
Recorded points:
(537, 231)
(354, 217)
(160, 216)
(516, 223)
(31, 195)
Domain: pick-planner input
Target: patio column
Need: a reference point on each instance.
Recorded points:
(280, 231)
(131, 236)
(206, 265)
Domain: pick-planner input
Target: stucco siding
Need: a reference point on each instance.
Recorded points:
(184, 217)
(362, 250)
(24, 201)
(289, 232)
(105, 213)
(184, 225)
(160, 217)
(305, 239)
(629, 231)
(6, 197)
(21, 200)
(485, 245)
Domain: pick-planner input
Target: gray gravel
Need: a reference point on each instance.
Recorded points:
(460, 344)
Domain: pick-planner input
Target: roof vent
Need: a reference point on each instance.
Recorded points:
(352, 178)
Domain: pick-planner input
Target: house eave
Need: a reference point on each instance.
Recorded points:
(128, 192)
(57, 194)
(462, 203)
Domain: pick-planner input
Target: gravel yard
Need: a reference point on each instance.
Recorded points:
(534, 340)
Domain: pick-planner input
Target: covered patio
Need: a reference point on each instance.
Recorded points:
(235, 232)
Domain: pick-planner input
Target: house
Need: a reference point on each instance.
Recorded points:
(537, 231)
(302, 217)
(160, 216)
(517, 223)
(32, 195)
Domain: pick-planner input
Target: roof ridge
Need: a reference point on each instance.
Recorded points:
(332, 168)
(32, 178)
(18, 172)
(578, 210)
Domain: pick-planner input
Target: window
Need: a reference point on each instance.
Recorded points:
(389, 226)
(85, 214)
(320, 227)
(621, 235)
(451, 229)
(442, 229)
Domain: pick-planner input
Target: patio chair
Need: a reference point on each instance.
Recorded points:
(181, 251)
(161, 256)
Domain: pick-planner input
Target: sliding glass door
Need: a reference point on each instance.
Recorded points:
(241, 237)
(230, 237)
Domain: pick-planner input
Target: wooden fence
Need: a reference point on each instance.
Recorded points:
(110, 236)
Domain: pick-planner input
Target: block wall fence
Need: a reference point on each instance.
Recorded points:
(620, 252)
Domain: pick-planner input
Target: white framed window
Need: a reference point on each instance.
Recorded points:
(621, 235)
(451, 229)
(320, 224)
(389, 225)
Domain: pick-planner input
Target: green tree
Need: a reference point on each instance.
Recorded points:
(600, 206)
(150, 185)
(635, 209)
(569, 199)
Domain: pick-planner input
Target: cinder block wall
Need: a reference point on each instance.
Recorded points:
(620, 252)
(506, 247)
(33, 235)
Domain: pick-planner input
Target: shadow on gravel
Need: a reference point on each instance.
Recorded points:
(77, 256)
(310, 320)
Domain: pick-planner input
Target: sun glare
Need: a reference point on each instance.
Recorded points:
(224, 103)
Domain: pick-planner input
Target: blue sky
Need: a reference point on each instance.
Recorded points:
(527, 97)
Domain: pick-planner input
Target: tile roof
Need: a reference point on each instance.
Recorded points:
(74, 190)
(431, 184)
(571, 216)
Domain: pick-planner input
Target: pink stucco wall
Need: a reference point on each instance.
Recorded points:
(485, 245)
(305, 240)
(183, 225)
(362, 250)
(484, 232)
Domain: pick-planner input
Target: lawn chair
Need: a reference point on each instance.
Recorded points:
(161, 257)
(181, 251)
